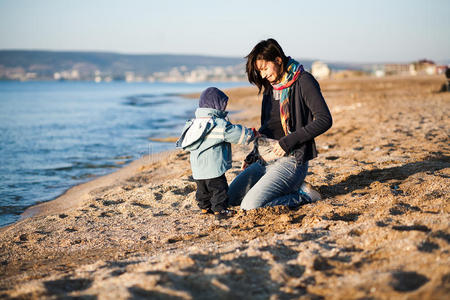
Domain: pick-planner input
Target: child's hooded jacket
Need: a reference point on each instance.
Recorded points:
(208, 139)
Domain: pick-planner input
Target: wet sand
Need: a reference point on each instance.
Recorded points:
(381, 231)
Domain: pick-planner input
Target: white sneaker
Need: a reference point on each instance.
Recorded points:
(307, 190)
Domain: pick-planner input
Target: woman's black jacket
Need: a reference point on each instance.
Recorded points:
(309, 113)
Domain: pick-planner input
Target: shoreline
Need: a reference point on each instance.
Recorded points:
(75, 195)
(381, 230)
(81, 191)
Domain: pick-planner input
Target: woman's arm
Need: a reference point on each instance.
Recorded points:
(322, 120)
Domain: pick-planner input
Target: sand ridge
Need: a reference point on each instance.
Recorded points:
(381, 231)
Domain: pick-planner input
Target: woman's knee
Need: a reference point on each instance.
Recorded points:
(247, 205)
(256, 197)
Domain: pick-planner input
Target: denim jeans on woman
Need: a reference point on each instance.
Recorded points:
(275, 184)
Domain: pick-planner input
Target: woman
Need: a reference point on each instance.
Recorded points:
(293, 112)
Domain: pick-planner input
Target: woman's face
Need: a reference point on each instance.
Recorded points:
(269, 70)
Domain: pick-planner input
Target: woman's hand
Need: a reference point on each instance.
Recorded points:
(244, 166)
(256, 133)
(278, 151)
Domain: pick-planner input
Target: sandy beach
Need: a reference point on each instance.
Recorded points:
(381, 231)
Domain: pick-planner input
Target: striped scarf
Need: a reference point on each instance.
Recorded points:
(282, 89)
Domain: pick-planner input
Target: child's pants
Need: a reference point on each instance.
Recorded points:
(212, 193)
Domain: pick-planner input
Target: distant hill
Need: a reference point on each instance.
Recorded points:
(31, 64)
(114, 63)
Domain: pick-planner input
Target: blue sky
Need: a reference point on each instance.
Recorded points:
(345, 30)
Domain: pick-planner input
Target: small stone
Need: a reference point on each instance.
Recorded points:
(285, 218)
(407, 281)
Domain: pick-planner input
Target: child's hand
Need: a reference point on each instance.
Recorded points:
(277, 150)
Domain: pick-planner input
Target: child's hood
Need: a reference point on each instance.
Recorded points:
(212, 97)
(195, 130)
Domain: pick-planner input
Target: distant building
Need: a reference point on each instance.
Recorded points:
(441, 69)
(423, 67)
(379, 73)
(348, 74)
(31, 76)
(98, 76)
(74, 75)
(67, 75)
(397, 69)
(320, 70)
(129, 76)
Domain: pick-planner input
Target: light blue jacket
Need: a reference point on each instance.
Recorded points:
(208, 139)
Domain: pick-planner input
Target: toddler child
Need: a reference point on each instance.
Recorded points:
(208, 138)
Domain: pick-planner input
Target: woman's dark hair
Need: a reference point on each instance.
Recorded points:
(267, 50)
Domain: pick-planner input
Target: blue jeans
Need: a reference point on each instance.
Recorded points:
(275, 184)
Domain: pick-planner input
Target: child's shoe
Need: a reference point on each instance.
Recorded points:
(223, 214)
(206, 211)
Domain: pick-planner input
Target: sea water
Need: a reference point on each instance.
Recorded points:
(54, 135)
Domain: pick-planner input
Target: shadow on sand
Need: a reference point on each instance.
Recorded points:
(366, 178)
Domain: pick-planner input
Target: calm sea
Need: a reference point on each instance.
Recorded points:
(54, 135)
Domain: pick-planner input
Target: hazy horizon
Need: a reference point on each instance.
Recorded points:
(445, 61)
(348, 31)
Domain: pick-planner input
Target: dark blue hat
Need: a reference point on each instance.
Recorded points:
(213, 98)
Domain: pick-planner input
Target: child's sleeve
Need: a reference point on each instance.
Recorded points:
(238, 134)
